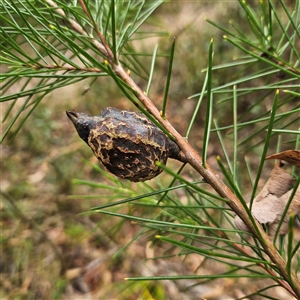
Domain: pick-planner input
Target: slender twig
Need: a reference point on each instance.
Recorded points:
(213, 179)
(77, 27)
(247, 253)
(109, 54)
(65, 68)
(283, 283)
(193, 158)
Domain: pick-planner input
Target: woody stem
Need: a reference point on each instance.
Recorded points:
(209, 175)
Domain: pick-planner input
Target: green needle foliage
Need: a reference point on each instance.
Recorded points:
(47, 45)
(60, 53)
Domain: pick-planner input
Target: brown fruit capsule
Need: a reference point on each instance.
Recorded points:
(126, 143)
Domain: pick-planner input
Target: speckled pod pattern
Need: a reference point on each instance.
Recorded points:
(126, 143)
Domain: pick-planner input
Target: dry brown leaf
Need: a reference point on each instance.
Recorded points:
(293, 209)
(269, 205)
(290, 156)
(278, 184)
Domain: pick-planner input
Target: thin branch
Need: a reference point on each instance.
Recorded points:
(212, 179)
(63, 68)
(78, 28)
(109, 54)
